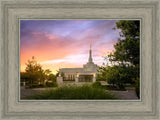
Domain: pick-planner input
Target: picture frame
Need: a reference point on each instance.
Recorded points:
(145, 11)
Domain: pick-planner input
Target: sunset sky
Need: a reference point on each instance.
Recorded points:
(65, 43)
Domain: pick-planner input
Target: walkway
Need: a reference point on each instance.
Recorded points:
(129, 94)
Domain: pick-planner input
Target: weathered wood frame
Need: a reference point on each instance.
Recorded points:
(147, 11)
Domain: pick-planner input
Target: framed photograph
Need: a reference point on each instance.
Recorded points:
(97, 58)
(80, 59)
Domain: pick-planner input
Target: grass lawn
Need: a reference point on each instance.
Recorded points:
(73, 92)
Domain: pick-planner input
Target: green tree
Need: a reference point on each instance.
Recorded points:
(52, 77)
(125, 57)
(102, 72)
(127, 49)
(35, 73)
(24, 78)
(120, 75)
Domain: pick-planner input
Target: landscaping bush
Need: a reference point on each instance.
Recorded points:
(51, 84)
(137, 85)
(97, 84)
(21, 83)
(74, 92)
(41, 85)
(69, 79)
(111, 87)
(34, 86)
(55, 84)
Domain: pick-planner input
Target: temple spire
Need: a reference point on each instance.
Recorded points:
(90, 55)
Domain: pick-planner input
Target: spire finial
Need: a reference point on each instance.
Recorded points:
(90, 55)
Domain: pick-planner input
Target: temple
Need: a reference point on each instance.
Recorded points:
(85, 74)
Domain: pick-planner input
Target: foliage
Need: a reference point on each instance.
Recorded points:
(23, 76)
(118, 75)
(51, 84)
(51, 77)
(111, 87)
(34, 71)
(21, 84)
(125, 58)
(62, 74)
(68, 79)
(137, 85)
(41, 85)
(74, 92)
(101, 76)
(127, 49)
(36, 86)
(34, 74)
(57, 74)
(122, 73)
(97, 84)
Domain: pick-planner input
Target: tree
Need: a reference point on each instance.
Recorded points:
(52, 77)
(126, 55)
(24, 78)
(127, 49)
(102, 72)
(117, 75)
(34, 71)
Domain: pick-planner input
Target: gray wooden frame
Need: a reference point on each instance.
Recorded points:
(14, 10)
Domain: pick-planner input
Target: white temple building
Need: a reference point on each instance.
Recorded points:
(85, 74)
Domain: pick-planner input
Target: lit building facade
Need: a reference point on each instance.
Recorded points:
(86, 74)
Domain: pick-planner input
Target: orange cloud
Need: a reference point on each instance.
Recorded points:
(60, 45)
(48, 47)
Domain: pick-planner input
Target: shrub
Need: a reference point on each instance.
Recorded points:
(34, 86)
(69, 79)
(40, 85)
(21, 83)
(97, 84)
(137, 85)
(51, 84)
(118, 75)
(55, 84)
(74, 92)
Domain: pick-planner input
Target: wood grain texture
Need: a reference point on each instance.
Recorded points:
(144, 10)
